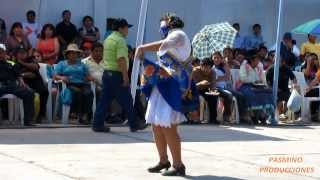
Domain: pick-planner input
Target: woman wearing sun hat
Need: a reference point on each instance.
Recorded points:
(168, 87)
(73, 72)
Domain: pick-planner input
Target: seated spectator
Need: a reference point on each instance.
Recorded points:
(239, 41)
(66, 32)
(255, 40)
(285, 74)
(310, 66)
(286, 50)
(228, 56)
(263, 52)
(86, 50)
(31, 28)
(252, 87)
(3, 32)
(17, 39)
(314, 92)
(73, 72)
(204, 78)
(240, 56)
(269, 61)
(195, 62)
(37, 56)
(223, 77)
(12, 83)
(48, 45)
(89, 34)
(30, 73)
(311, 46)
(95, 64)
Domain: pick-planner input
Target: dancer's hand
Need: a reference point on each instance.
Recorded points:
(139, 53)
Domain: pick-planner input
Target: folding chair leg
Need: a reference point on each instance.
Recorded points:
(291, 115)
(65, 114)
(11, 110)
(202, 106)
(305, 110)
(21, 112)
(93, 89)
(56, 106)
(235, 105)
(49, 108)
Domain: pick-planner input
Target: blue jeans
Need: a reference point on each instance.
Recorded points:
(112, 89)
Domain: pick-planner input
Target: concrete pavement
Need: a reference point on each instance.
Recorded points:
(209, 152)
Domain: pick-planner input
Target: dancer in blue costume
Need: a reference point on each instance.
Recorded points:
(167, 84)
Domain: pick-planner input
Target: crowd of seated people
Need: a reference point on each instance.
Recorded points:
(256, 69)
(28, 44)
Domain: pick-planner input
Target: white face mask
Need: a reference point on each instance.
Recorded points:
(164, 29)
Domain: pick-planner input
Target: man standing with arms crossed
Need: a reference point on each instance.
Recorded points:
(115, 78)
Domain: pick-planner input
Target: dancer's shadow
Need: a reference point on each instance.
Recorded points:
(210, 177)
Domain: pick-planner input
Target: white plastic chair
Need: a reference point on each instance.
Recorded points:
(15, 107)
(305, 108)
(44, 74)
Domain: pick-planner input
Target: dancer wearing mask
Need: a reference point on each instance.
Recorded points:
(168, 87)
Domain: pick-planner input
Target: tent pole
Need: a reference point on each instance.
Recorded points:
(277, 60)
(139, 41)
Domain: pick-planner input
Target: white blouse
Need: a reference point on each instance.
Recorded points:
(178, 44)
(159, 112)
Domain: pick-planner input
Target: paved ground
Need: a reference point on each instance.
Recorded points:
(209, 152)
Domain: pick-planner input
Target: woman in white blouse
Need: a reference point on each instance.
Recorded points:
(258, 97)
(162, 113)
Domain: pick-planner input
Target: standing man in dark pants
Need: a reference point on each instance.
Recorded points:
(115, 78)
(11, 82)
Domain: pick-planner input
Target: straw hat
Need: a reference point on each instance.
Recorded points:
(72, 48)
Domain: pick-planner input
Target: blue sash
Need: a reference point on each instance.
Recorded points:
(173, 82)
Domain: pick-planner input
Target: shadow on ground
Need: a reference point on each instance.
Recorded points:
(209, 177)
(122, 136)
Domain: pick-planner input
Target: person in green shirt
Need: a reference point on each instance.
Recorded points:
(115, 78)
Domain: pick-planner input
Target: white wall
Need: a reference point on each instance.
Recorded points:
(245, 12)
(195, 13)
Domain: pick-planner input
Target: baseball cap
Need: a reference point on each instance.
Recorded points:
(120, 23)
(287, 35)
(3, 47)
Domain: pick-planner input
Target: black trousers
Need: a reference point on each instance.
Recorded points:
(240, 98)
(82, 98)
(212, 103)
(26, 94)
(227, 99)
(38, 86)
(314, 106)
